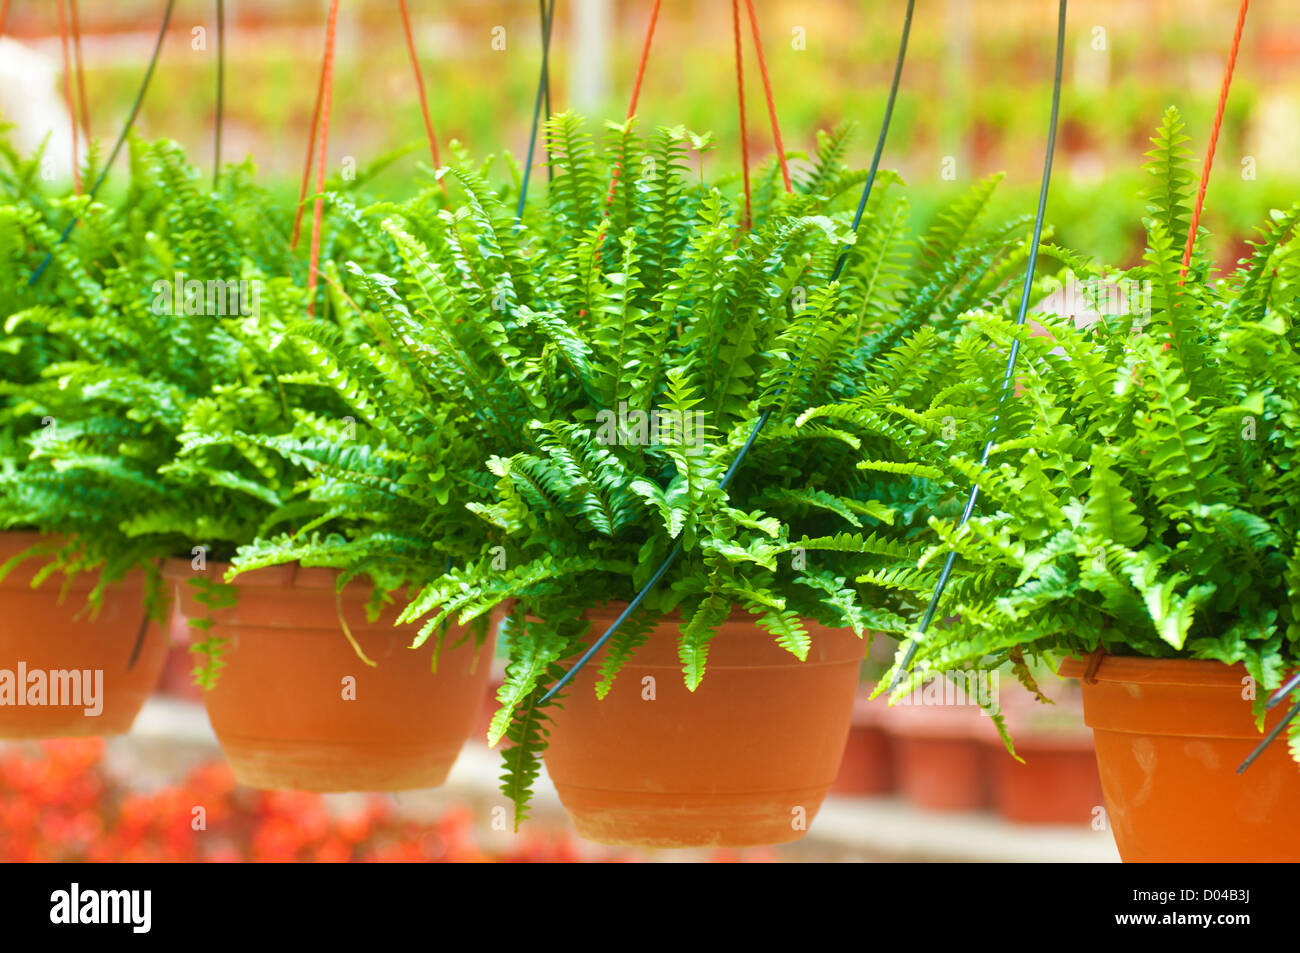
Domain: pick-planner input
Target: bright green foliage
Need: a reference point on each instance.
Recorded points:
(545, 408)
(135, 419)
(488, 411)
(1142, 493)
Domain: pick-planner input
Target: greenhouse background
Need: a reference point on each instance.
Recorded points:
(918, 782)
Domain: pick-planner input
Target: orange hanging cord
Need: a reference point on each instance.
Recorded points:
(67, 95)
(1214, 140)
(771, 100)
(4, 15)
(419, 85)
(81, 69)
(677, 549)
(740, 99)
(327, 84)
(645, 55)
(740, 91)
(311, 151)
(636, 93)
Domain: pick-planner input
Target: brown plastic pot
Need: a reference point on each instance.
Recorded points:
(284, 710)
(866, 769)
(47, 629)
(939, 764)
(1170, 734)
(745, 759)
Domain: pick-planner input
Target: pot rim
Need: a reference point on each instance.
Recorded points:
(1151, 671)
(290, 575)
(607, 612)
(15, 541)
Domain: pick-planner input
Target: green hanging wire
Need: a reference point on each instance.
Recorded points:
(121, 139)
(543, 93)
(676, 551)
(928, 617)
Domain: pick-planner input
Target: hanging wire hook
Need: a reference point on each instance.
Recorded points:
(1270, 737)
(121, 139)
(946, 572)
(676, 551)
(1287, 688)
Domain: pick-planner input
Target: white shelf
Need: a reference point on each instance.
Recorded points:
(171, 733)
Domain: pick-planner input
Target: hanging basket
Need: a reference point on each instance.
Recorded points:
(66, 671)
(296, 708)
(744, 760)
(1170, 734)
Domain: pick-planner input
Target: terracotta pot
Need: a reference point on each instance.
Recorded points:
(745, 759)
(867, 768)
(284, 710)
(1057, 783)
(46, 629)
(1170, 734)
(939, 763)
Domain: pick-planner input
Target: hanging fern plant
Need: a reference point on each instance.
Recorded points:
(1142, 493)
(137, 362)
(544, 408)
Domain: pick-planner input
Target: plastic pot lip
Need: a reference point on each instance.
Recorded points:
(21, 539)
(607, 612)
(1148, 671)
(737, 645)
(288, 576)
(15, 541)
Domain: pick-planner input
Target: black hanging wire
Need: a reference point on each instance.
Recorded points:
(676, 551)
(121, 139)
(221, 90)
(543, 93)
(1278, 728)
(1274, 700)
(946, 573)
